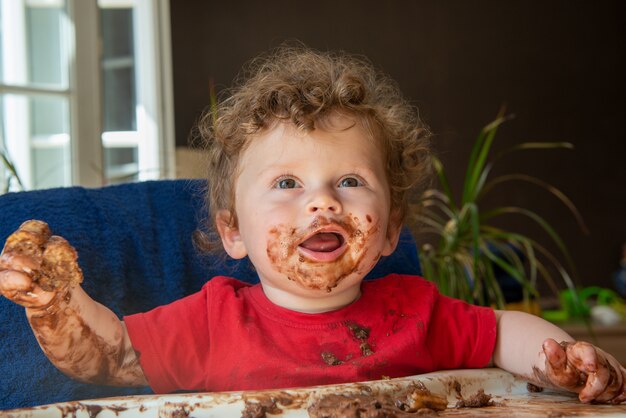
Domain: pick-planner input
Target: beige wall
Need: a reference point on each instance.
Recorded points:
(190, 163)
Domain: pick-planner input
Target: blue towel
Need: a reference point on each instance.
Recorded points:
(135, 249)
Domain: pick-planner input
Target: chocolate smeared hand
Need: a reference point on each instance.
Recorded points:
(82, 338)
(582, 368)
(50, 261)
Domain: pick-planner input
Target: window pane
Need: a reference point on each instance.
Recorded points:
(51, 166)
(120, 138)
(48, 61)
(119, 99)
(117, 32)
(121, 164)
(50, 141)
(120, 156)
(35, 130)
(49, 116)
(118, 68)
(33, 43)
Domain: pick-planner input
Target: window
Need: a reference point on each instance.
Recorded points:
(73, 107)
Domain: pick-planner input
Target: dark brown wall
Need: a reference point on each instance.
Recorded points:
(559, 66)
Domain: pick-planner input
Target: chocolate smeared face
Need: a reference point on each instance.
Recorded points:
(321, 255)
(312, 213)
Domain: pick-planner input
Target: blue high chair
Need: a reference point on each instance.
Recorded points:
(135, 248)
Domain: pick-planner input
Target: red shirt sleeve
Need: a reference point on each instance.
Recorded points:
(460, 335)
(171, 342)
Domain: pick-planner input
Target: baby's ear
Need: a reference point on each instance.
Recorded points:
(229, 233)
(393, 233)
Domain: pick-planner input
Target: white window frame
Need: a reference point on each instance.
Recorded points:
(155, 114)
(155, 117)
(86, 100)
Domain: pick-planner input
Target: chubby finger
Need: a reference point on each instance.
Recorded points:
(19, 288)
(15, 281)
(596, 387)
(34, 300)
(30, 235)
(559, 370)
(60, 265)
(555, 354)
(19, 262)
(611, 375)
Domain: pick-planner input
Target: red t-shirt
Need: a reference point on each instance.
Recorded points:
(229, 336)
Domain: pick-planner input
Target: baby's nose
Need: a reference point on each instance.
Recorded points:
(324, 200)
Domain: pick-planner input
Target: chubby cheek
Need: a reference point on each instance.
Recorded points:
(359, 257)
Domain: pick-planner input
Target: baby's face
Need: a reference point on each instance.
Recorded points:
(313, 209)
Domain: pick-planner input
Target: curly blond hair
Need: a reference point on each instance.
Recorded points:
(306, 87)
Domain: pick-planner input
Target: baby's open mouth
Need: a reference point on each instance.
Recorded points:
(323, 242)
(323, 246)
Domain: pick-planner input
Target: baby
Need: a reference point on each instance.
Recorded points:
(311, 160)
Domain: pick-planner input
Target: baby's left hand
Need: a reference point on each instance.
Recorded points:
(585, 369)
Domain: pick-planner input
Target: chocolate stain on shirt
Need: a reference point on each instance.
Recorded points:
(362, 334)
(330, 359)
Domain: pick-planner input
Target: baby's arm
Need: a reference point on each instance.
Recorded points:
(547, 356)
(81, 337)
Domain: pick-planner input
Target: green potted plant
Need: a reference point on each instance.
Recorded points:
(468, 246)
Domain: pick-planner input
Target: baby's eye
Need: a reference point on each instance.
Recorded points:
(286, 183)
(350, 182)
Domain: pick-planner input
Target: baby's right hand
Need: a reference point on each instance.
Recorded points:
(36, 266)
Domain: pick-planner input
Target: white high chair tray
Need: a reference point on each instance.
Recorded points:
(511, 397)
